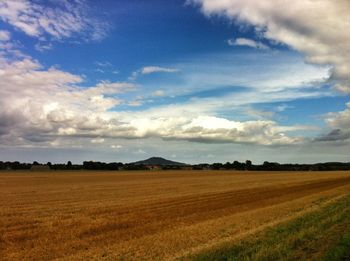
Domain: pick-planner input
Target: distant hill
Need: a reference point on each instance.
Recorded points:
(159, 161)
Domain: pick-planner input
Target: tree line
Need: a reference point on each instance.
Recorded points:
(275, 166)
(235, 165)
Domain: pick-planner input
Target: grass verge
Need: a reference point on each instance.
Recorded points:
(341, 250)
(321, 235)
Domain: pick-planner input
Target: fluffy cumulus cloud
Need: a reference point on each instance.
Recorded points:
(319, 29)
(247, 42)
(215, 129)
(39, 106)
(62, 19)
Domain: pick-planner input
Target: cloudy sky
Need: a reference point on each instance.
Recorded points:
(192, 81)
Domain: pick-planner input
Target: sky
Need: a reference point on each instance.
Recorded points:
(189, 80)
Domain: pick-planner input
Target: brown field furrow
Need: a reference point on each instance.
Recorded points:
(197, 209)
(213, 201)
(79, 215)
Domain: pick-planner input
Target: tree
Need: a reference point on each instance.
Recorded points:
(248, 164)
(216, 166)
(69, 165)
(237, 165)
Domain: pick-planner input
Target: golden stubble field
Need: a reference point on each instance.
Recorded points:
(145, 215)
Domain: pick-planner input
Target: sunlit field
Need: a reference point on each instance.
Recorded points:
(169, 215)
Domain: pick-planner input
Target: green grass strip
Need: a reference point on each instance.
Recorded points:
(341, 251)
(322, 234)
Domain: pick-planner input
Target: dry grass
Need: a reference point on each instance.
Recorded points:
(149, 215)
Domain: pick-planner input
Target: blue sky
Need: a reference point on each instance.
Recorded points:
(195, 81)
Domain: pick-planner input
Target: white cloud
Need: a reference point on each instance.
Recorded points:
(107, 87)
(152, 69)
(38, 104)
(155, 69)
(316, 28)
(213, 130)
(5, 35)
(247, 42)
(42, 47)
(64, 20)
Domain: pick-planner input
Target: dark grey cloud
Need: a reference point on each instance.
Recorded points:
(335, 135)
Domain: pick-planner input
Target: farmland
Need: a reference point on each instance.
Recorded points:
(167, 215)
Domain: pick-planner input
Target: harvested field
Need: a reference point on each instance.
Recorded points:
(150, 215)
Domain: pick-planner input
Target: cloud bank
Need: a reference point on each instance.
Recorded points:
(39, 105)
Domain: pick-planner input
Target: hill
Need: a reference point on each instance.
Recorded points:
(159, 161)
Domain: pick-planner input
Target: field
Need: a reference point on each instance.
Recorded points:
(174, 215)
